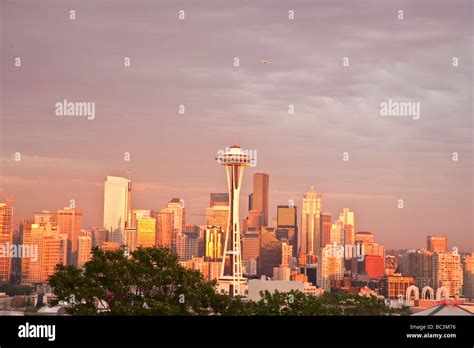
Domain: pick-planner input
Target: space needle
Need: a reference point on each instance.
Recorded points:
(231, 279)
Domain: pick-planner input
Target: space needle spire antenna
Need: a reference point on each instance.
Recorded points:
(231, 278)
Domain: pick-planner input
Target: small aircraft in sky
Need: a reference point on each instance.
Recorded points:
(264, 61)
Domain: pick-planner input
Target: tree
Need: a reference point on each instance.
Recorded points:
(150, 282)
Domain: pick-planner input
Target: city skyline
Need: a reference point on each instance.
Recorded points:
(191, 63)
(179, 204)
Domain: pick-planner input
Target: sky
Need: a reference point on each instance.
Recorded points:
(190, 62)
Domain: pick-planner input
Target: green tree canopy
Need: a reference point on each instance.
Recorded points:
(150, 281)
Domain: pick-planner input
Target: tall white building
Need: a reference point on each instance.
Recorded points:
(348, 219)
(176, 205)
(330, 266)
(117, 210)
(311, 223)
(337, 233)
(448, 272)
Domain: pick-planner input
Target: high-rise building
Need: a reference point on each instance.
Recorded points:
(251, 245)
(366, 239)
(130, 238)
(310, 225)
(287, 219)
(260, 197)
(48, 220)
(468, 276)
(164, 228)
(250, 201)
(217, 215)
(99, 236)
(176, 205)
(6, 238)
(330, 266)
(214, 242)
(186, 246)
(231, 280)
(373, 266)
(63, 244)
(190, 228)
(50, 255)
(286, 255)
(348, 220)
(117, 209)
(84, 249)
(219, 199)
(395, 286)
(419, 265)
(337, 233)
(255, 219)
(326, 225)
(146, 230)
(447, 272)
(437, 244)
(45, 251)
(70, 223)
(137, 214)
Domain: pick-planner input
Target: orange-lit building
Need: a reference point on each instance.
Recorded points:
(146, 232)
(394, 286)
(374, 266)
(70, 222)
(214, 242)
(44, 248)
(164, 228)
(84, 248)
(251, 246)
(437, 244)
(110, 246)
(6, 238)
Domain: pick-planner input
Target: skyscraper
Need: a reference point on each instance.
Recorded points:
(6, 237)
(260, 196)
(447, 271)
(186, 246)
(99, 236)
(164, 228)
(219, 199)
(468, 276)
(231, 280)
(330, 266)
(130, 238)
(45, 252)
(84, 248)
(287, 220)
(311, 224)
(117, 210)
(437, 243)
(146, 229)
(217, 215)
(214, 242)
(137, 214)
(70, 223)
(348, 219)
(255, 219)
(176, 205)
(251, 246)
(326, 222)
(286, 255)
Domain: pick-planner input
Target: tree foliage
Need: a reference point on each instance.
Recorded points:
(152, 282)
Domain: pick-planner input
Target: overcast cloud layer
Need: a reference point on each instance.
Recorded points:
(190, 62)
